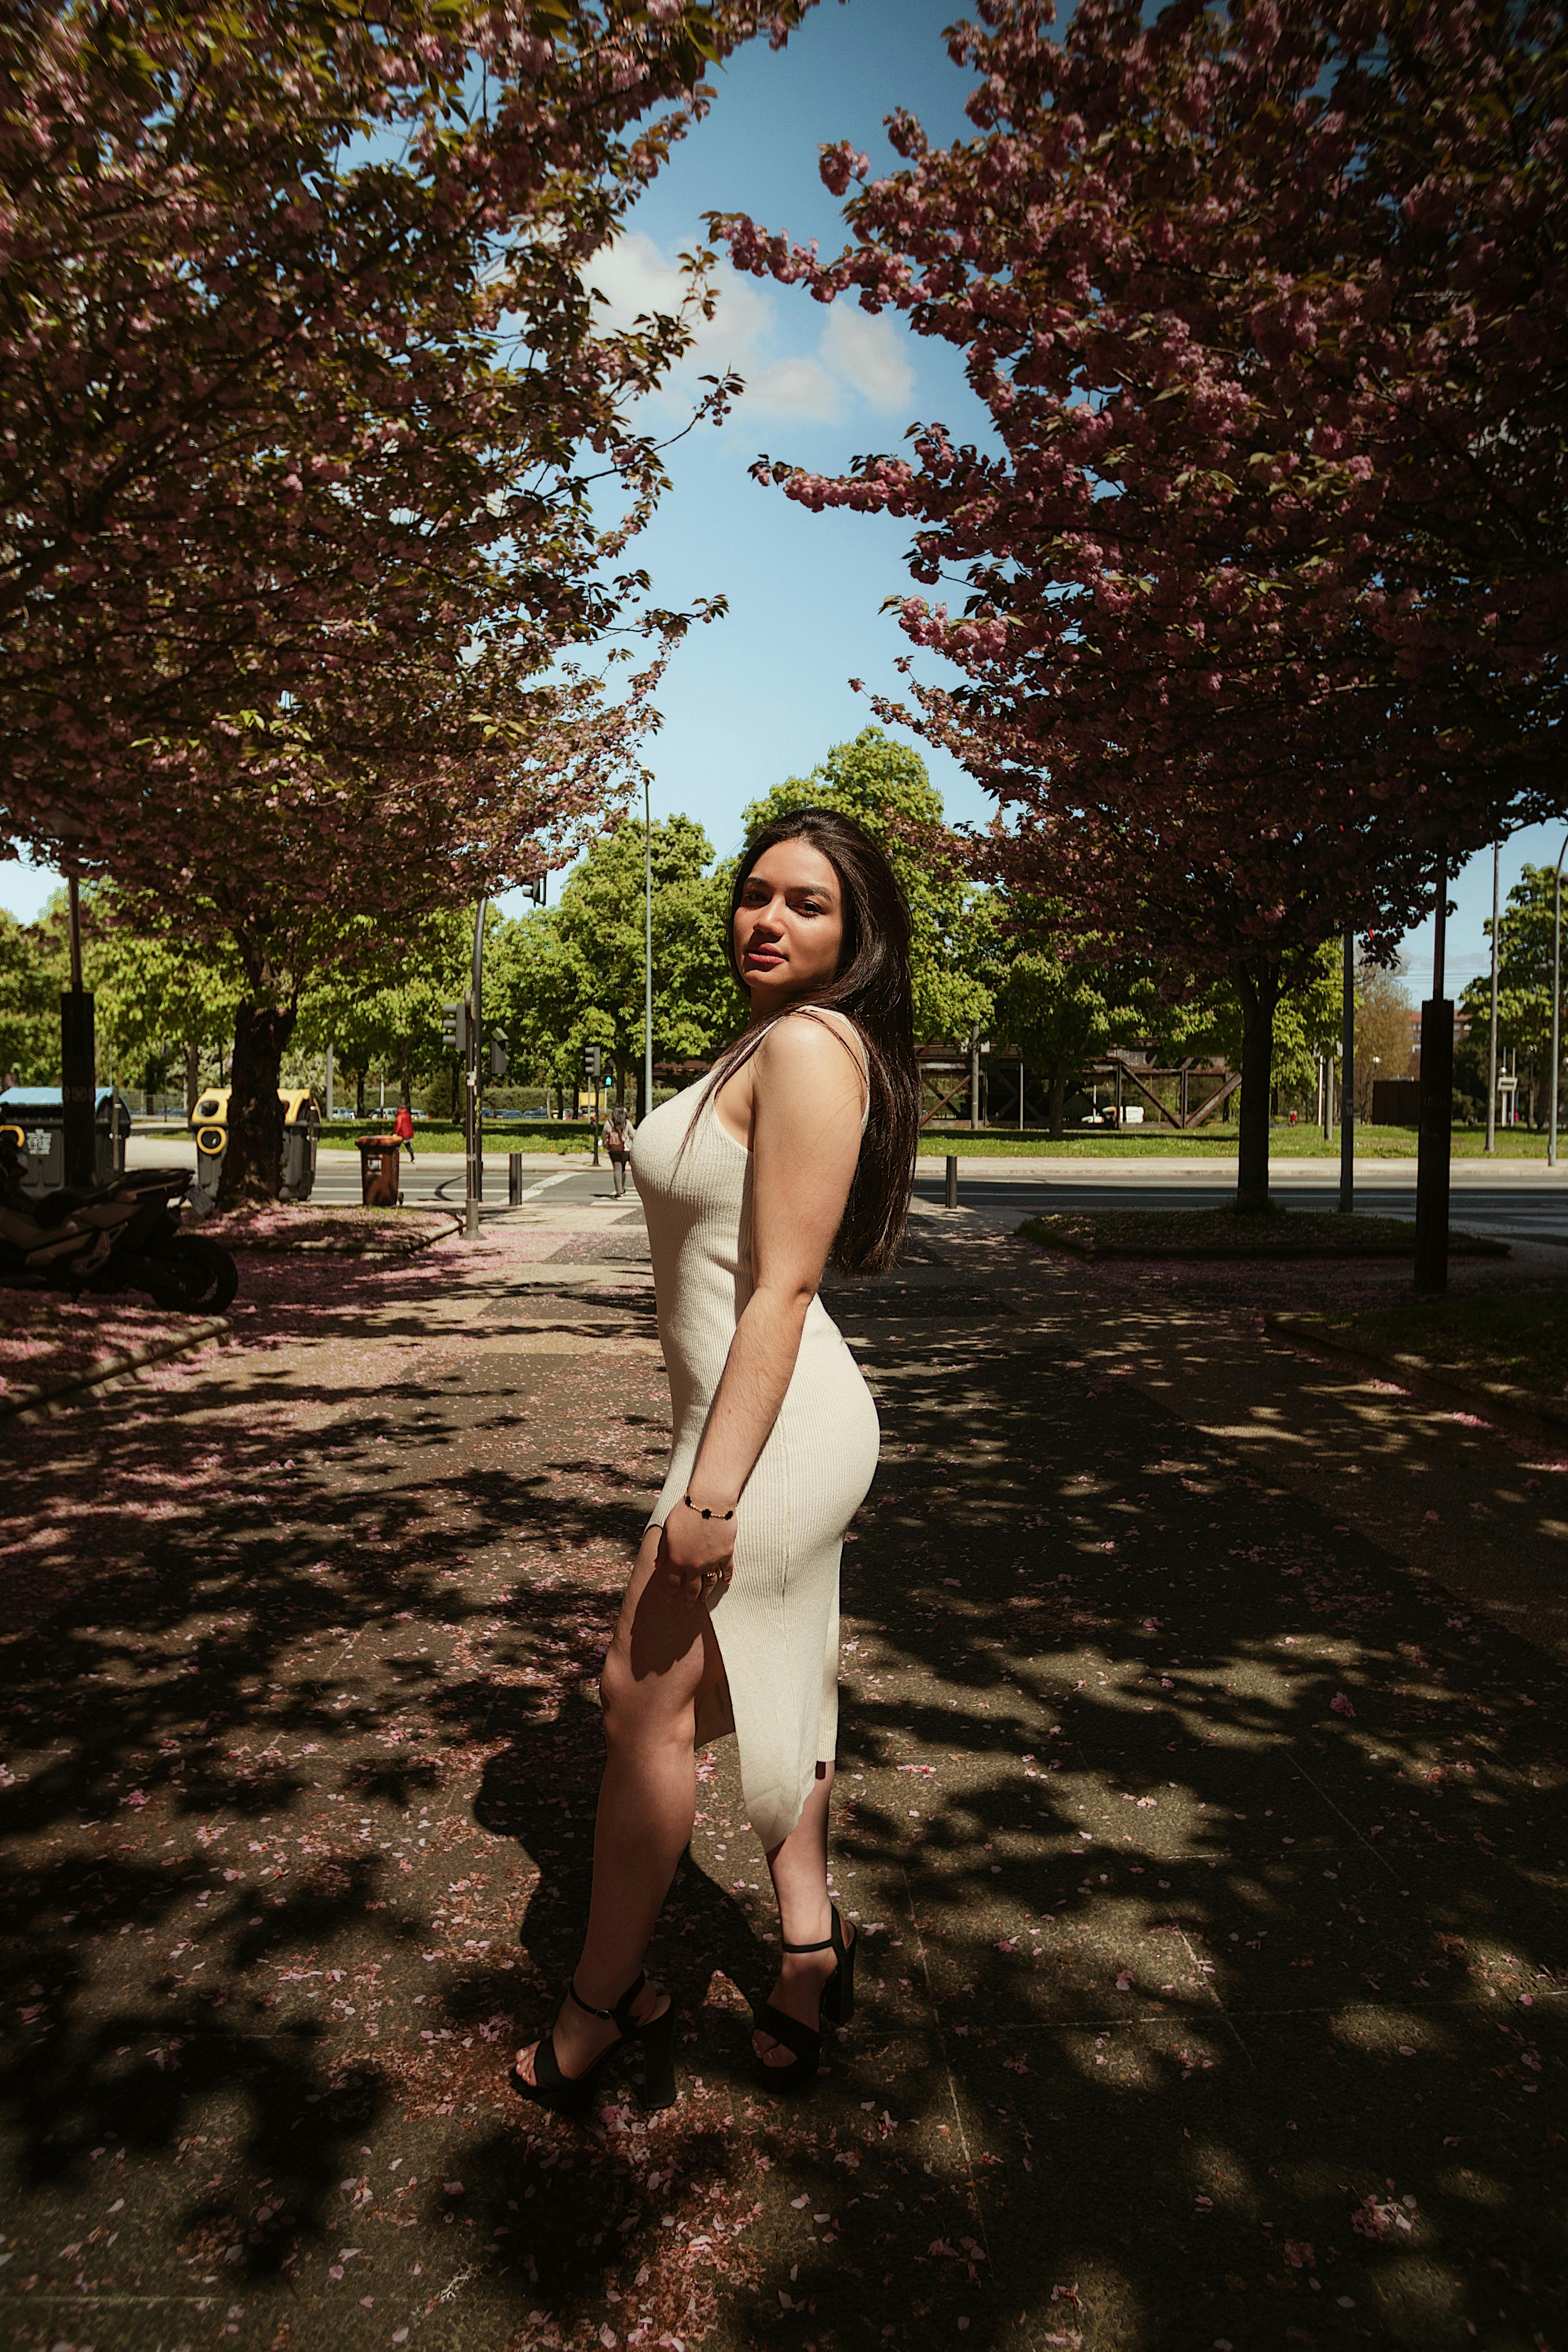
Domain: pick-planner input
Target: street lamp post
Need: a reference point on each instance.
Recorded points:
(1347, 1076)
(647, 950)
(1492, 1049)
(79, 1068)
(1556, 1004)
(474, 1138)
(1435, 1144)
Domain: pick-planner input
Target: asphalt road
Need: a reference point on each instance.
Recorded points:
(1513, 1199)
(1533, 1210)
(1527, 1212)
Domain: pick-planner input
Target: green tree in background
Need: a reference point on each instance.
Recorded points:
(1062, 1015)
(1384, 1033)
(1524, 993)
(1063, 1008)
(382, 1010)
(162, 998)
(32, 971)
(572, 975)
(884, 786)
(1305, 1024)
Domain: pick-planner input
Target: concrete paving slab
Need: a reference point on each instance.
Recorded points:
(1154, 2046)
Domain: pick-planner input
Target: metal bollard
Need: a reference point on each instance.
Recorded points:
(514, 1178)
(951, 1200)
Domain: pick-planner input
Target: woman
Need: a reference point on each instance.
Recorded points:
(619, 1131)
(800, 1145)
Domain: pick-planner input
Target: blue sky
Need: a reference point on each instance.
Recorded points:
(764, 694)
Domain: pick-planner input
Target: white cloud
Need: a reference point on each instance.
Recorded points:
(870, 353)
(799, 387)
(859, 360)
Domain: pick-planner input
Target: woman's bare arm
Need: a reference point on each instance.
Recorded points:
(806, 1098)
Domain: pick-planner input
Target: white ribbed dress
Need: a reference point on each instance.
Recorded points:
(777, 1625)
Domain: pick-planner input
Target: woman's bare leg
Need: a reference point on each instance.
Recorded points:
(661, 1659)
(799, 1871)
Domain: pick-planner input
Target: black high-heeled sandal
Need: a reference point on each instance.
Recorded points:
(837, 2006)
(569, 2093)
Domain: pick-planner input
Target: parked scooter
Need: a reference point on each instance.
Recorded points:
(123, 1235)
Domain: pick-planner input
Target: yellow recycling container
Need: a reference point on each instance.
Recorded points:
(302, 1128)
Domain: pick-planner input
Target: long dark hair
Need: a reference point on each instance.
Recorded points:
(872, 988)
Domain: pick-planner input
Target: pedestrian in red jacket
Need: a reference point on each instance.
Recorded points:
(403, 1127)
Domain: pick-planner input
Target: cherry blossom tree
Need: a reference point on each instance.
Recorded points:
(1263, 550)
(316, 452)
(345, 851)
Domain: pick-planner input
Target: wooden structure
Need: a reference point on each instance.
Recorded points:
(1128, 1069)
(944, 1068)
(1202, 1087)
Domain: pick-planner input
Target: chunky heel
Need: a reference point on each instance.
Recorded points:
(658, 2040)
(572, 2094)
(838, 2007)
(838, 1992)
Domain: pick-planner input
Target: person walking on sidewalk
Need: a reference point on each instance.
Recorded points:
(799, 1147)
(403, 1127)
(619, 1131)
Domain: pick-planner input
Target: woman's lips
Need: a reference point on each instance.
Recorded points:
(762, 955)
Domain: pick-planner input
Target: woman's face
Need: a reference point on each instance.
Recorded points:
(789, 926)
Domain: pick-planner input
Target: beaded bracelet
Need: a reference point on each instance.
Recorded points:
(705, 1515)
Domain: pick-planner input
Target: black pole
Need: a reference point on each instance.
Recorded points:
(1436, 1115)
(473, 1113)
(79, 1062)
(1347, 1079)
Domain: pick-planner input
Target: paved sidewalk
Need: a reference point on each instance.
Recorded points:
(1202, 1815)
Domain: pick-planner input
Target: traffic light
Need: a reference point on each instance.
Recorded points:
(498, 1055)
(455, 1028)
(592, 1063)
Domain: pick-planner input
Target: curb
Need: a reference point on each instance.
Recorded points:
(1523, 1410)
(330, 1245)
(156, 1351)
(1091, 1250)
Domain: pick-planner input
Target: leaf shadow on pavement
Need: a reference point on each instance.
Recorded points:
(1235, 1860)
(1178, 1982)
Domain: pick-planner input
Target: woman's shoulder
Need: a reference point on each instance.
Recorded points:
(815, 1039)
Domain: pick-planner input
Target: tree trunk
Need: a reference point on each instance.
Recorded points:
(253, 1163)
(1259, 993)
(359, 1094)
(407, 1073)
(1058, 1099)
(193, 1079)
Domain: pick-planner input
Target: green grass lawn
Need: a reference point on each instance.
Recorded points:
(1522, 1342)
(1286, 1142)
(1300, 1142)
(507, 1135)
(531, 1134)
(1221, 1234)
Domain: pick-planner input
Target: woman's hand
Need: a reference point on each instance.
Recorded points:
(696, 1555)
